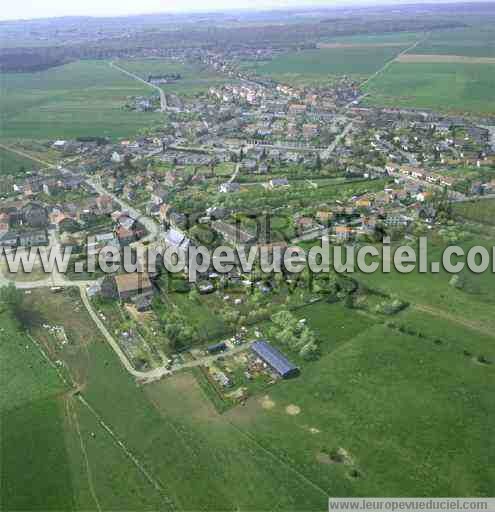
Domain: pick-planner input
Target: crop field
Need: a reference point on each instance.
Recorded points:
(419, 58)
(370, 40)
(194, 78)
(84, 98)
(324, 63)
(451, 87)
(469, 42)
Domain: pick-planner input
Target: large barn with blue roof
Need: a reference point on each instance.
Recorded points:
(274, 359)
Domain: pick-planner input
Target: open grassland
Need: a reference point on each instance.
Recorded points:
(450, 87)
(32, 437)
(173, 432)
(378, 401)
(470, 305)
(323, 63)
(35, 466)
(94, 462)
(383, 396)
(194, 79)
(26, 376)
(83, 98)
(200, 314)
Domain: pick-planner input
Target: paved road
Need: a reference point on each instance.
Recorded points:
(337, 141)
(150, 376)
(151, 225)
(161, 371)
(163, 98)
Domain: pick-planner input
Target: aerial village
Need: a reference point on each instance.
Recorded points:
(312, 160)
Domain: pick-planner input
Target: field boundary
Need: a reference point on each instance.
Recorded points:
(157, 485)
(390, 62)
(453, 318)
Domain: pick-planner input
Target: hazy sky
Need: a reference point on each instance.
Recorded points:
(22, 9)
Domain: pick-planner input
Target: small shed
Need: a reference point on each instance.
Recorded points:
(217, 348)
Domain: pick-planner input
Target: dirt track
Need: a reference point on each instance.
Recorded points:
(415, 58)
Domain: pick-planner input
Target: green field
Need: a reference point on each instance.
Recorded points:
(79, 99)
(32, 438)
(12, 164)
(391, 400)
(471, 305)
(477, 211)
(323, 63)
(195, 79)
(398, 406)
(469, 42)
(369, 39)
(440, 86)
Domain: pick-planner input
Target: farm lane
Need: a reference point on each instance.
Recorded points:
(163, 98)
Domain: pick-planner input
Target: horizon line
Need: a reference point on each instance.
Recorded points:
(327, 6)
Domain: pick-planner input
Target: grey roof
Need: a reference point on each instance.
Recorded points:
(279, 182)
(176, 238)
(274, 358)
(126, 222)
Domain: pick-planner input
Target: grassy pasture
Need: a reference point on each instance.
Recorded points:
(171, 428)
(79, 99)
(32, 442)
(471, 306)
(379, 394)
(31, 425)
(26, 376)
(441, 86)
(384, 396)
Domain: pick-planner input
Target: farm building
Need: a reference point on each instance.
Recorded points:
(274, 359)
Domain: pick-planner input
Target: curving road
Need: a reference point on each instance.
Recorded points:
(151, 226)
(145, 377)
(163, 98)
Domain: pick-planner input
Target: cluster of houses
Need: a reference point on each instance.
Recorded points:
(23, 224)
